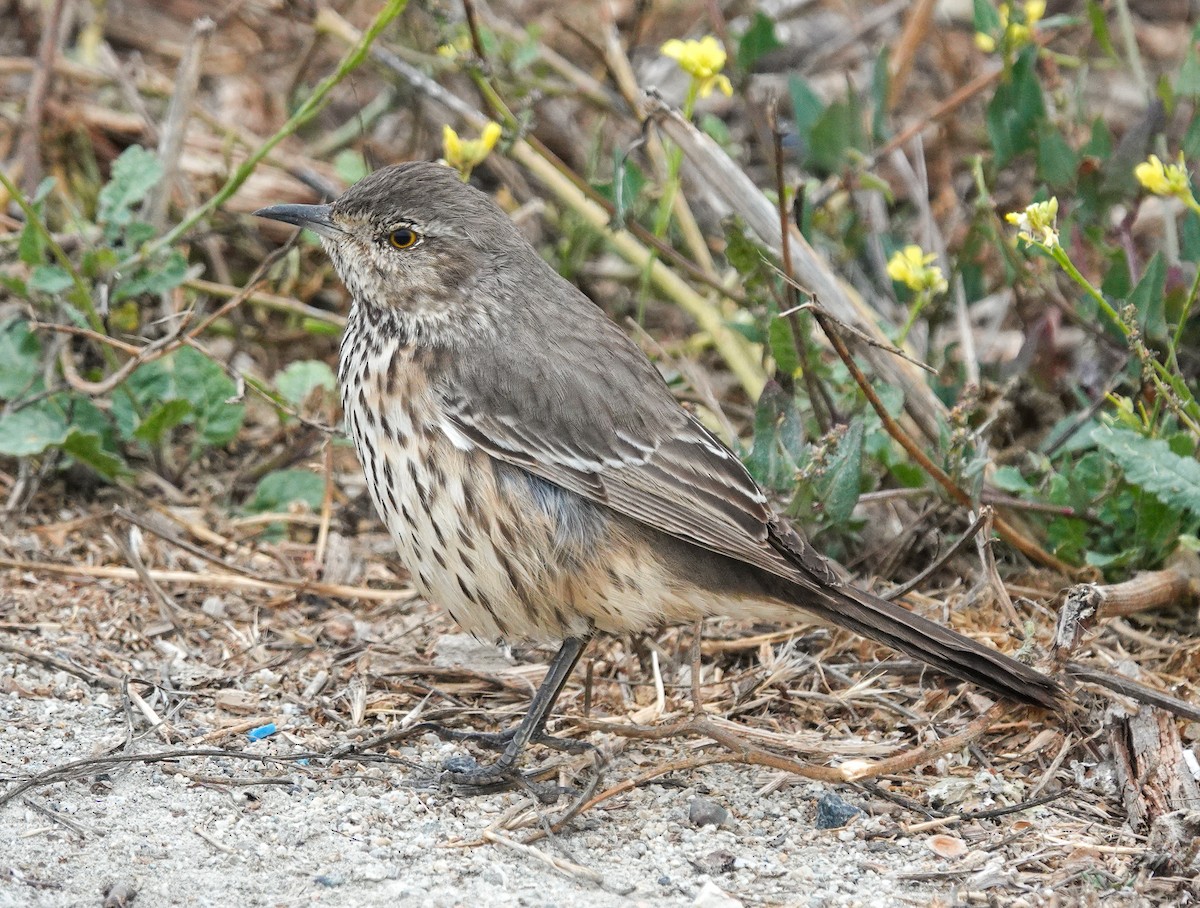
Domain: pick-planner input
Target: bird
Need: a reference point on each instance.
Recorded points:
(539, 479)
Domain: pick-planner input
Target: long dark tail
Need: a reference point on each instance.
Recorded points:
(821, 589)
(946, 650)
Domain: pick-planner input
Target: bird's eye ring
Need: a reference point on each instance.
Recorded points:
(404, 238)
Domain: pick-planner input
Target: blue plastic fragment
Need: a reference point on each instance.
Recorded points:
(263, 731)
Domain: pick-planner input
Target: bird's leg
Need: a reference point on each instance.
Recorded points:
(531, 727)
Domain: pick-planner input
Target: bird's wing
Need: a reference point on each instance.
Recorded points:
(589, 413)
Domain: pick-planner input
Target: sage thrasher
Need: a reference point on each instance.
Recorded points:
(533, 468)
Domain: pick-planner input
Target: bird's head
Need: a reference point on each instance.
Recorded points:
(412, 240)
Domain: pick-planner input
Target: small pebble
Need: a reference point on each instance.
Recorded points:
(719, 861)
(833, 811)
(118, 895)
(703, 812)
(711, 896)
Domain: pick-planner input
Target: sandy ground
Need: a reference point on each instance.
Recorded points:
(217, 831)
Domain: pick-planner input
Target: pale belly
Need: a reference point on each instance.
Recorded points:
(487, 541)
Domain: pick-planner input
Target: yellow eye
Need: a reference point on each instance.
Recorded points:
(403, 238)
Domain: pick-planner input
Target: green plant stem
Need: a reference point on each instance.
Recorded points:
(674, 162)
(1184, 314)
(493, 99)
(309, 109)
(662, 216)
(1060, 255)
(1177, 395)
(919, 303)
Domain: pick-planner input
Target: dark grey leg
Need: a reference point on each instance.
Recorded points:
(531, 727)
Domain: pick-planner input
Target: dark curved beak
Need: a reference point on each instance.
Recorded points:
(314, 217)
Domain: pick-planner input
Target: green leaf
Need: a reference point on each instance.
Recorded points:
(299, 379)
(1151, 464)
(758, 39)
(1056, 160)
(985, 17)
(807, 108)
(135, 233)
(32, 430)
(1098, 19)
(1117, 284)
(186, 375)
(1191, 140)
(838, 130)
(20, 354)
(1009, 479)
(840, 484)
(1068, 538)
(31, 247)
(276, 491)
(1100, 141)
(89, 449)
(775, 423)
(162, 277)
(892, 398)
(1188, 83)
(99, 263)
(50, 279)
(165, 416)
(1017, 108)
(743, 254)
(1147, 297)
(783, 345)
(1189, 236)
(716, 129)
(209, 389)
(134, 174)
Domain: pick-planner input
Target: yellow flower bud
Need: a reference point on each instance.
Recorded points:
(914, 268)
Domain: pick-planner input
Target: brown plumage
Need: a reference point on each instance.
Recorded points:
(540, 480)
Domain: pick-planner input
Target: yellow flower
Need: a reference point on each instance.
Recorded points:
(703, 60)
(452, 50)
(914, 268)
(465, 156)
(1164, 179)
(1037, 223)
(1016, 31)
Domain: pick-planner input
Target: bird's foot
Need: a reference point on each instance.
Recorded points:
(467, 777)
(500, 740)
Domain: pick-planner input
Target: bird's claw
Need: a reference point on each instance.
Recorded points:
(465, 776)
